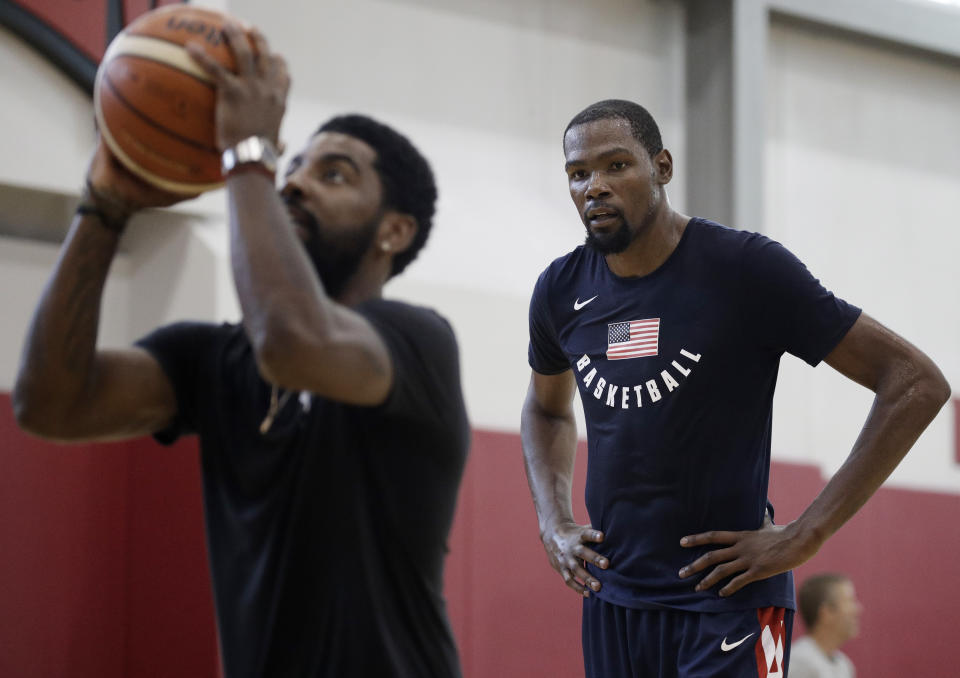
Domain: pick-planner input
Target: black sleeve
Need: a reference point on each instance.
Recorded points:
(426, 364)
(786, 307)
(185, 351)
(544, 353)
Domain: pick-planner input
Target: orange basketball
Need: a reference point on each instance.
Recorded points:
(155, 106)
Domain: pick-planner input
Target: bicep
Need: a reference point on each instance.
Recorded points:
(551, 394)
(348, 363)
(870, 353)
(128, 396)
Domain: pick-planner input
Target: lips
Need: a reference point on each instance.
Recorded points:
(301, 218)
(601, 214)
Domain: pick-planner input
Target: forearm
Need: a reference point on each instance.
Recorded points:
(907, 400)
(58, 354)
(549, 449)
(280, 294)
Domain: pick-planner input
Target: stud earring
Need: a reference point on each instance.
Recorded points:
(385, 246)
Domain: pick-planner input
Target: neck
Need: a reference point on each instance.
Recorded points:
(651, 247)
(358, 291)
(826, 641)
(366, 283)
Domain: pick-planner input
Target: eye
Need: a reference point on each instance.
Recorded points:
(333, 175)
(618, 165)
(578, 174)
(293, 166)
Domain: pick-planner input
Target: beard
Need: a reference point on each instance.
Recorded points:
(619, 240)
(610, 243)
(335, 256)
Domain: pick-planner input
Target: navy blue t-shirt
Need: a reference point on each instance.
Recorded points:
(676, 371)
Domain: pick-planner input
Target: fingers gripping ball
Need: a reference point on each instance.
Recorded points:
(155, 107)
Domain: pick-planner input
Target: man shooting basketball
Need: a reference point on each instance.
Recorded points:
(331, 421)
(672, 329)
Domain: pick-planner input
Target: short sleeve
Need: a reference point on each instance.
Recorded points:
(185, 351)
(786, 307)
(426, 364)
(544, 353)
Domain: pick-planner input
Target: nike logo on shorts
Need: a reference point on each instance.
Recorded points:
(727, 647)
(577, 305)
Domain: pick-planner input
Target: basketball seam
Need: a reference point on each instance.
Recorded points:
(137, 112)
(150, 36)
(142, 45)
(167, 64)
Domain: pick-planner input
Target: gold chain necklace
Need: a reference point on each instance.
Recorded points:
(276, 404)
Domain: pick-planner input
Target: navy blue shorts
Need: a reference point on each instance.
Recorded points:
(621, 642)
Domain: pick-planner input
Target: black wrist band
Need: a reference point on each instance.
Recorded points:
(108, 211)
(87, 210)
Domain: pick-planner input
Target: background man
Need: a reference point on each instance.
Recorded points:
(331, 422)
(672, 329)
(829, 607)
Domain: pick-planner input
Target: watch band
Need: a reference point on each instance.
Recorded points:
(253, 153)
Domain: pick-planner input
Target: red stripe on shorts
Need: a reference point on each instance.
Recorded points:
(771, 644)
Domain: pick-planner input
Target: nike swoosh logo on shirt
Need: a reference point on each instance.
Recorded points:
(726, 648)
(577, 305)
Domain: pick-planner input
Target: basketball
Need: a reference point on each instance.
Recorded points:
(155, 106)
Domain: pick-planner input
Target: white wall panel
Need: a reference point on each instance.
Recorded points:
(863, 169)
(484, 88)
(46, 122)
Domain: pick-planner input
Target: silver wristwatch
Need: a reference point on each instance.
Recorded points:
(259, 150)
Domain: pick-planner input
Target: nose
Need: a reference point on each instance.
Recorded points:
(597, 188)
(291, 187)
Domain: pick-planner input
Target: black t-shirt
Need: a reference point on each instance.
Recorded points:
(676, 371)
(327, 534)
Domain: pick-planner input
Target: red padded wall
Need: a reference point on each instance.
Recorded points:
(63, 559)
(103, 570)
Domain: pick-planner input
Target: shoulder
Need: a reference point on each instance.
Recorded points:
(189, 333)
(401, 313)
(717, 239)
(801, 646)
(415, 325)
(845, 661)
(567, 267)
(751, 257)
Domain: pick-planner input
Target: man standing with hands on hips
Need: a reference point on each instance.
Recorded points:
(332, 427)
(672, 329)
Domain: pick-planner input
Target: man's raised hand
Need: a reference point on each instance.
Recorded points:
(252, 101)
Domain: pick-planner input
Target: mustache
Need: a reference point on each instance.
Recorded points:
(598, 206)
(301, 215)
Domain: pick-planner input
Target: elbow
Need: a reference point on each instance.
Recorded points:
(277, 348)
(24, 410)
(931, 388)
(31, 413)
(940, 389)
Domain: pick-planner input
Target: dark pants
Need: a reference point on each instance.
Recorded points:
(621, 642)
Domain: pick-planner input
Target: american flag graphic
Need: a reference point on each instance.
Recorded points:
(633, 339)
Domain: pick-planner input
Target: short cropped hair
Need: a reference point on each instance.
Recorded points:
(406, 177)
(642, 124)
(816, 591)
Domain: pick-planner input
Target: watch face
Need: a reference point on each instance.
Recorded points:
(250, 150)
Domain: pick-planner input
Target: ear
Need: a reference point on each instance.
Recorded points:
(396, 233)
(663, 166)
